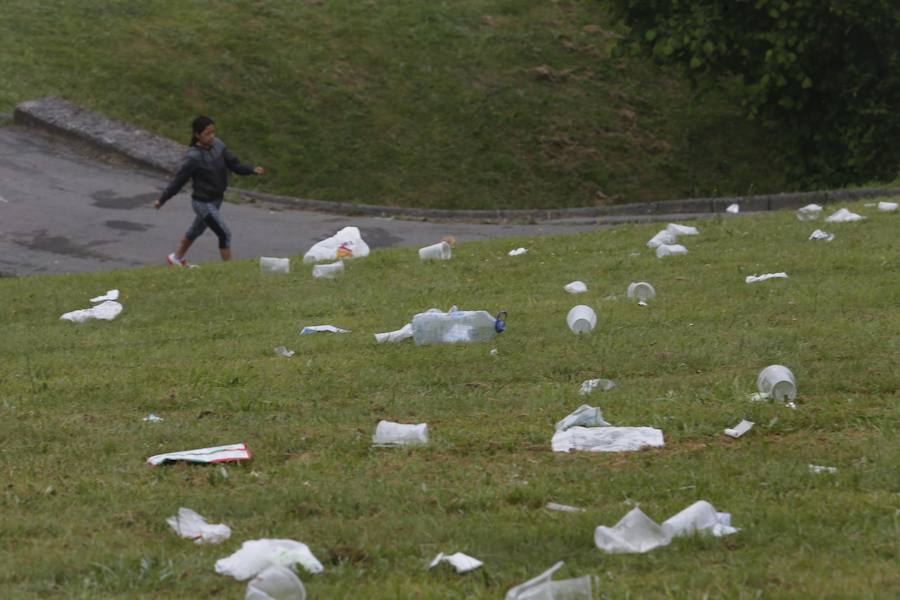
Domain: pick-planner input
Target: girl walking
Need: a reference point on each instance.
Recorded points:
(206, 163)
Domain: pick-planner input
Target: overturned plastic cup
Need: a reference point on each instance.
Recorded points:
(777, 382)
(641, 291)
(581, 319)
(328, 271)
(439, 251)
(270, 264)
(388, 433)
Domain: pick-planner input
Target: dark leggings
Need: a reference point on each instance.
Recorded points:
(207, 215)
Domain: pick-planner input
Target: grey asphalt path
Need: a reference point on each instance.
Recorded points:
(64, 212)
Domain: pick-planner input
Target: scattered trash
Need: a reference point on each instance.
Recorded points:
(820, 469)
(388, 433)
(606, 439)
(733, 209)
(563, 507)
(843, 216)
(662, 238)
(637, 533)
(395, 336)
(255, 556)
(188, 524)
(584, 416)
(151, 418)
(110, 295)
(439, 251)
(818, 234)
(590, 385)
(670, 250)
(740, 429)
(322, 329)
(328, 270)
(217, 454)
(777, 381)
(576, 287)
(517, 251)
(642, 291)
(543, 588)
(276, 583)
(765, 276)
(270, 264)
(282, 351)
(493, 352)
(581, 319)
(676, 229)
(346, 243)
(887, 206)
(810, 212)
(462, 563)
(105, 311)
(436, 327)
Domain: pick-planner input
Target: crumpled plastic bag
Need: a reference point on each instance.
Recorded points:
(593, 384)
(670, 250)
(346, 243)
(606, 439)
(255, 556)
(188, 524)
(105, 311)
(576, 287)
(638, 533)
(810, 212)
(395, 336)
(843, 216)
(765, 276)
(543, 587)
(584, 416)
(462, 563)
(389, 433)
(517, 251)
(276, 583)
(110, 295)
(733, 209)
(818, 234)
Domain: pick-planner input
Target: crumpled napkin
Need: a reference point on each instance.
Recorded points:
(255, 556)
(188, 524)
(606, 439)
(105, 311)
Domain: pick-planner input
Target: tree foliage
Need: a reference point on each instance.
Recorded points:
(825, 72)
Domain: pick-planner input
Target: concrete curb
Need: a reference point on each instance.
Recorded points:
(148, 150)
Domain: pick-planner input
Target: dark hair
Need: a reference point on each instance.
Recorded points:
(198, 126)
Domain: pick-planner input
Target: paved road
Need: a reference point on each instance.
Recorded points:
(64, 212)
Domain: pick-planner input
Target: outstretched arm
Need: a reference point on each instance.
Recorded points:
(238, 167)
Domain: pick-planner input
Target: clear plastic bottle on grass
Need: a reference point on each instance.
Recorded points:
(436, 327)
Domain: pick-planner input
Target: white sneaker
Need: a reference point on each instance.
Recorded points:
(175, 261)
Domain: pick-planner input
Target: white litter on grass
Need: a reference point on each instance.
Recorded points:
(638, 533)
(389, 433)
(517, 251)
(590, 385)
(543, 588)
(328, 270)
(764, 277)
(887, 206)
(676, 229)
(670, 250)
(493, 352)
(584, 416)
(276, 583)
(346, 243)
(740, 429)
(820, 469)
(395, 336)
(322, 329)
(563, 507)
(110, 295)
(255, 556)
(843, 216)
(818, 234)
(272, 264)
(105, 311)
(462, 563)
(576, 287)
(151, 418)
(662, 237)
(810, 212)
(216, 454)
(282, 351)
(733, 209)
(606, 439)
(188, 524)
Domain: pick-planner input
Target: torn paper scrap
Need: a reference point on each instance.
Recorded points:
(670, 250)
(563, 507)
(517, 251)
(151, 418)
(255, 556)
(543, 587)
(346, 243)
(887, 206)
(764, 277)
(606, 439)
(462, 563)
(810, 212)
(576, 287)
(110, 295)
(276, 583)
(740, 429)
(282, 351)
(733, 209)
(676, 229)
(584, 416)
(662, 237)
(388, 433)
(216, 454)
(188, 524)
(322, 329)
(821, 469)
(395, 336)
(843, 216)
(590, 385)
(818, 234)
(106, 311)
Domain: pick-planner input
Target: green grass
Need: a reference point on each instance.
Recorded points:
(408, 103)
(82, 516)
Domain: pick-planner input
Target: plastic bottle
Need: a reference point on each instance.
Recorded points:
(436, 327)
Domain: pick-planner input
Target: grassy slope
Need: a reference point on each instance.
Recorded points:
(82, 515)
(407, 102)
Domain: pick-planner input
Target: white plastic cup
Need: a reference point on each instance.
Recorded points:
(439, 251)
(276, 583)
(810, 212)
(269, 264)
(778, 382)
(328, 271)
(641, 291)
(388, 433)
(581, 319)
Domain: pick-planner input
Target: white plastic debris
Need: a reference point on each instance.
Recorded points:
(276, 583)
(543, 587)
(641, 291)
(638, 533)
(255, 556)
(395, 336)
(563, 507)
(777, 382)
(271, 264)
(493, 352)
(818, 234)
(590, 385)
(670, 250)
(584, 416)
(322, 329)
(662, 237)
(188, 524)
(105, 311)
(328, 270)
(576, 287)
(346, 243)
(389, 433)
(517, 251)
(216, 454)
(733, 209)
(151, 418)
(820, 469)
(843, 216)
(740, 429)
(581, 319)
(764, 277)
(110, 295)
(462, 563)
(887, 206)
(676, 229)
(282, 351)
(810, 212)
(439, 251)
(606, 439)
